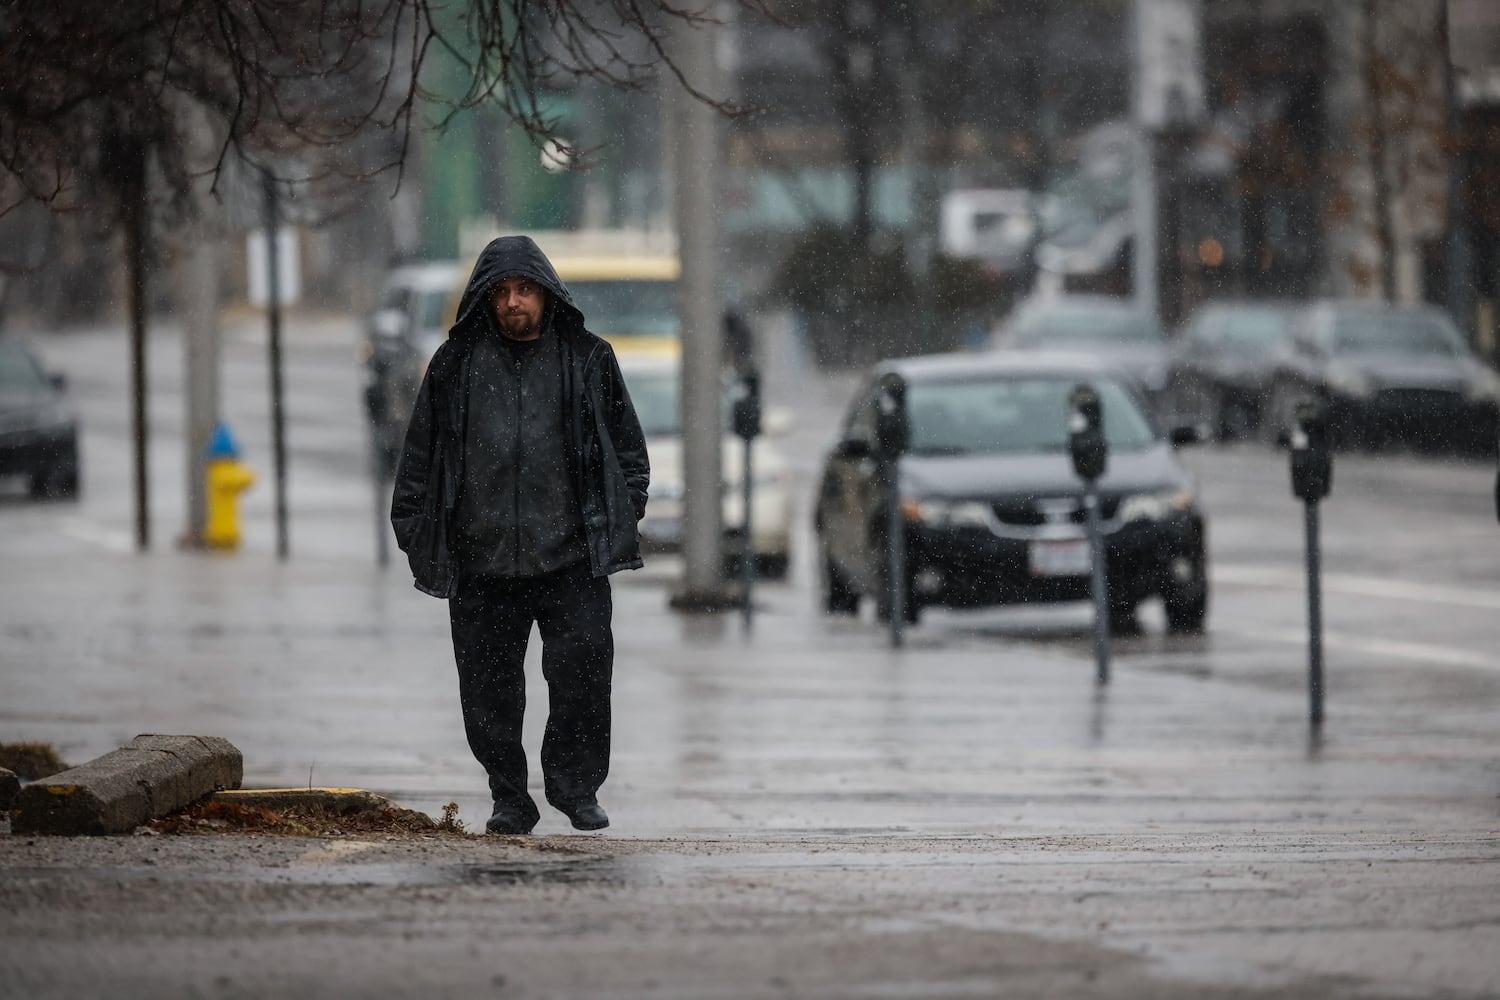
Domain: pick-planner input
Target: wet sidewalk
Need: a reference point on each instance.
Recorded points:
(330, 672)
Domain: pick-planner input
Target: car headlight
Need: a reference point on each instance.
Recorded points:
(1154, 506)
(947, 514)
(1484, 388)
(1351, 383)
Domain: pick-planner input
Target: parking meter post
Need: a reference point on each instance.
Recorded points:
(1096, 587)
(747, 428)
(895, 554)
(1090, 454)
(893, 433)
(1314, 617)
(747, 548)
(1312, 480)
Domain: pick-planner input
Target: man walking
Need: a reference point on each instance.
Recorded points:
(522, 478)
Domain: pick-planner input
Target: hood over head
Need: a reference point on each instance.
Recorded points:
(509, 257)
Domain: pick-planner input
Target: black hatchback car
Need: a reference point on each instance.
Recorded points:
(38, 430)
(992, 509)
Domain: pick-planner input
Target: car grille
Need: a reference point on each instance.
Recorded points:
(1420, 402)
(1030, 511)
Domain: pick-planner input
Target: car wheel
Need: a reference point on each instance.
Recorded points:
(838, 597)
(1123, 620)
(1236, 421)
(55, 484)
(772, 567)
(1186, 613)
(1186, 604)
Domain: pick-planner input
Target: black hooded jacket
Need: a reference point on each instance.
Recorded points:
(606, 449)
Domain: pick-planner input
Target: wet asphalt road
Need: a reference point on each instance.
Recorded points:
(799, 811)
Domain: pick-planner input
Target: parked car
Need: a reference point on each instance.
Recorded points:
(38, 427)
(655, 385)
(992, 508)
(1386, 373)
(1221, 362)
(415, 309)
(1110, 329)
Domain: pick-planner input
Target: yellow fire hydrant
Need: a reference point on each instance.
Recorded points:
(227, 477)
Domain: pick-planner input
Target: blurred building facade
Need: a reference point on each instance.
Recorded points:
(1322, 165)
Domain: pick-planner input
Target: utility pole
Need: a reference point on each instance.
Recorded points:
(1143, 177)
(1168, 95)
(695, 160)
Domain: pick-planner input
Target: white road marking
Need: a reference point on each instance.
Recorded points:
(1364, 586)
(95, 533)
(1419, 652)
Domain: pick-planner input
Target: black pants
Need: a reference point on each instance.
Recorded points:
(491, 621)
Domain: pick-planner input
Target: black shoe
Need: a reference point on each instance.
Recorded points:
(505, 821)
(586, 815)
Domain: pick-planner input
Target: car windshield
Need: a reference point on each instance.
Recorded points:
(1024, 414)
(655, 397)
(1374, 333)
(431, 306)
(19, 371)
(1089, 326)
(640, 308)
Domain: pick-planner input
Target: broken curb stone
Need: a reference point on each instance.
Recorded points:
(10, 785)
(149, 777)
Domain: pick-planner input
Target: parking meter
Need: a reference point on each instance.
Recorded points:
(1090, 454)
(1312, 479)
(892, 438)
(747, 406)
(1312, 459)
(892, 430)
(1086, 433)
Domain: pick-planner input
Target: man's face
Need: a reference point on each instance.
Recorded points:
(518, 307)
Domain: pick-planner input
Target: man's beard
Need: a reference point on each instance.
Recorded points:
(518, 326)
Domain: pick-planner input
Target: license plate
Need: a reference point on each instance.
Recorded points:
(1060, 557)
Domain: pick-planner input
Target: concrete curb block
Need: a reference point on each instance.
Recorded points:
(149, 777)
(336, 801)
(10, 787)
